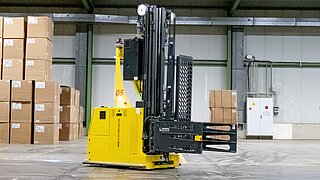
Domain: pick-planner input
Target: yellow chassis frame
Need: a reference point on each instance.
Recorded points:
(115, 138)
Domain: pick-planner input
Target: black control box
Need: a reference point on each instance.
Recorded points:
(133, 58)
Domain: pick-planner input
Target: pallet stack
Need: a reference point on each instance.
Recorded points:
(46, 112)
(13, 48)
(1, 47)
(30, 114)
(81, 120)
(223, 109)
(71, 114)
(4, 111)
(21, 112)
(29, 99)
(39, 48)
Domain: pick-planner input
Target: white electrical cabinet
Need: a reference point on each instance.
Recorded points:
(259, 116)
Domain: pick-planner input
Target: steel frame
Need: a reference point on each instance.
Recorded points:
(192, 21)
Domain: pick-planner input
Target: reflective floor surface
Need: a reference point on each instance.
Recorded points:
(256, 159)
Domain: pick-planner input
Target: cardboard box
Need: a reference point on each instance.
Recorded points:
(77, 98)
(39, 70)
(81, 114)
(46, 133)
(69, 114)
(76, 131)
(21, 112)
(47, 92)
(12, 69)
(229, 116)
(77, 113)
(39, 48)
(5, 90)
(215, 99)
(40, 27)
(46, 113)
(223, 115)
(21, 91)
(4, 112)
(4, 133)
(229, 99)
(222, 98)
(67, 96)
(20, 133)
(68, 131)
(80, 130)
(13, 48)
(1, 27)
(1, 48)
(14, 27)
(216, 115)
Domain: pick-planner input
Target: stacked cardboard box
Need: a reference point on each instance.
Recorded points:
(81, 120)
(1, 48)
(26, 58)
(13, 48)
(4, 111)
(80, 115)
(39, 48)
(223, 109)
(223, 106)
(69, 113)
(46, 112)
(21, 112)
(29, 110)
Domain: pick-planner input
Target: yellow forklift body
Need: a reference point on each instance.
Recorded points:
(115, 138)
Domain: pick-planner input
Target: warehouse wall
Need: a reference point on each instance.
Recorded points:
(203, 43)
(296, 106)
(295, 95)
(63, 49)
(297, 88)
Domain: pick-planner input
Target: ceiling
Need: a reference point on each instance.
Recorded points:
(191, 4)
(219, 4)
(41, 3)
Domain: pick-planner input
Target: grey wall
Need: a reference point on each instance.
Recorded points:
(204, 43)
(64, 49)
(65, 74)
(297, 88)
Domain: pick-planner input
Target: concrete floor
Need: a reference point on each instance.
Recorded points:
(265, 159)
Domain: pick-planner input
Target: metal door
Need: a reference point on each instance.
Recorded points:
(266, 114)
(253, 117)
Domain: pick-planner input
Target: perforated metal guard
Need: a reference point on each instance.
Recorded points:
(184, 88)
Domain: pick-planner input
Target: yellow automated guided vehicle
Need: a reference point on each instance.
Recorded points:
(151, 134)
(115, 133)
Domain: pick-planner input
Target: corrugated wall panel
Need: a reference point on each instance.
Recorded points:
(64, 46)
(297, 88)
(205, 79)
(310, 95)
(65, 74)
